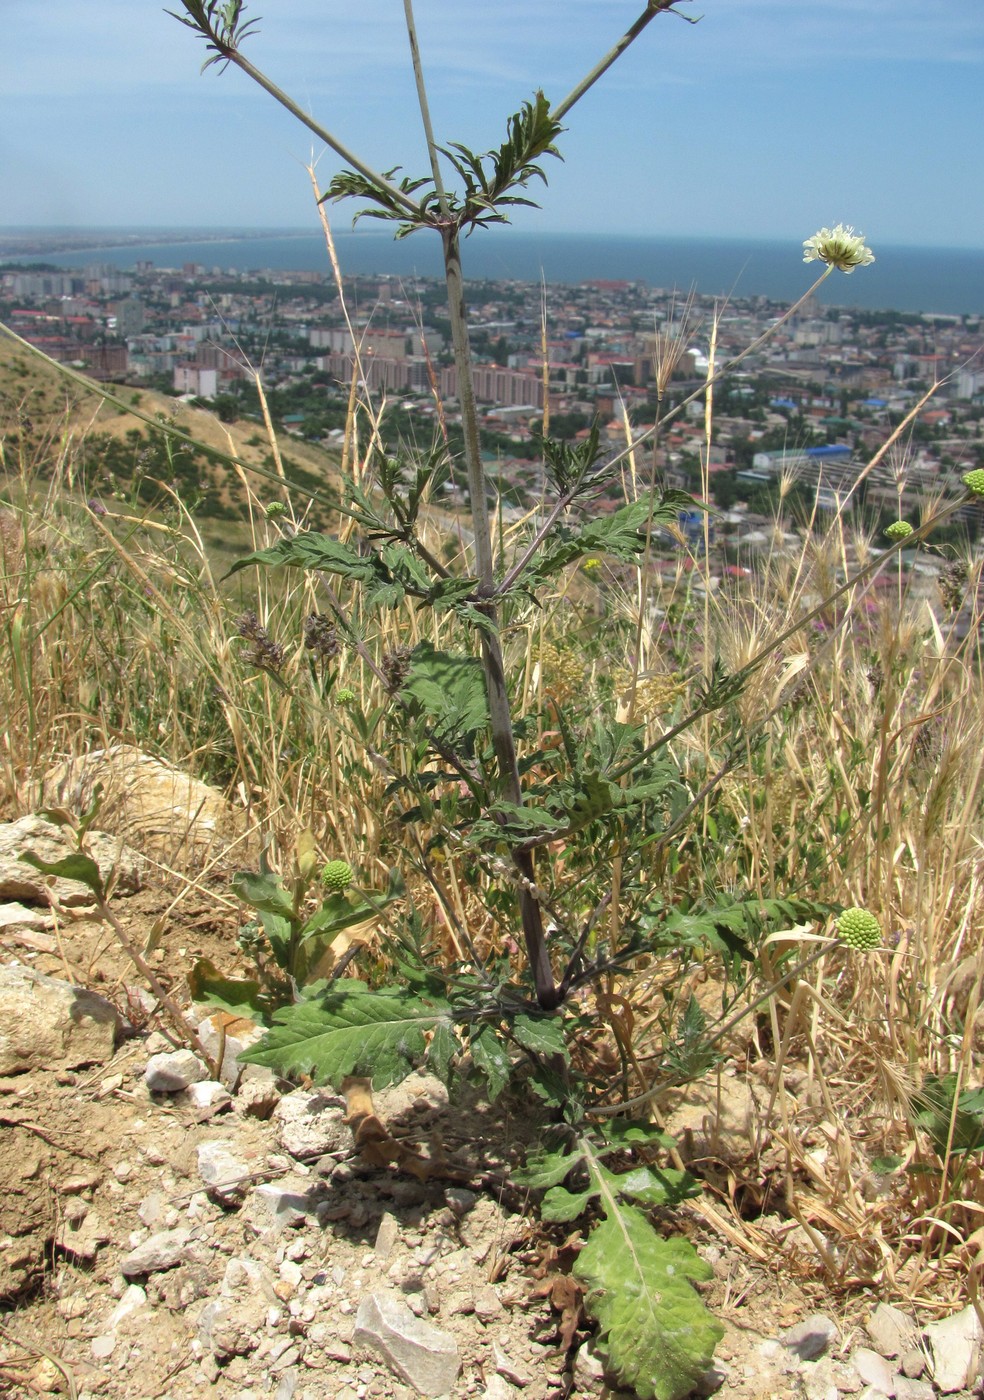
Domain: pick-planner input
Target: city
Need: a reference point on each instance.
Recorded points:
(800, 417)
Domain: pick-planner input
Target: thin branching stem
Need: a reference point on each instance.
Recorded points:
(656, 7)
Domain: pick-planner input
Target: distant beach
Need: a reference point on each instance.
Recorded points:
(947, 281)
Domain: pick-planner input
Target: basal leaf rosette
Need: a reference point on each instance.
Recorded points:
(859, 929)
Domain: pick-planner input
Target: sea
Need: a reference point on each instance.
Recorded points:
(946, 281)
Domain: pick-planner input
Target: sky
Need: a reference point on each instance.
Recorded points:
(766, 119)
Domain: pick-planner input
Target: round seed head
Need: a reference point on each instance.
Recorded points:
(974, 482)
(859, 929)
(337, 876)
(898, 530)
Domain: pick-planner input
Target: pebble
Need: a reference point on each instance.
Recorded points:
(892, 1331)
(873, 1369)
(161, 1251)
(417, 1351)
(811, 1337)
(172, 1072)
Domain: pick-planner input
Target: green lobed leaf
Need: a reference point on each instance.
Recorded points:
(75, 866)
(658, 1336)
(312, 550)
(657, 1186)
(350, 1030)
(545, 1169)
(560, 1205)
(543, 1035)
(490, 1059)
(264, 892)
(238, 995)
(444, 1046)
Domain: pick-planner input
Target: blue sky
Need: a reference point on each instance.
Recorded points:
(766, 119)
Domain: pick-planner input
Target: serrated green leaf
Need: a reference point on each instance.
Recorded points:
(351, 1030)
(621, 1135)
(450, 690)
(559, 1205)
(239, 996)
(75, 866)
(442, 1050)
(491, 1060)
(312, 550)
(545, 1169)
(339, 912)
(543, 1035)
(658, 1336)
(264, 892)
(657, 1186)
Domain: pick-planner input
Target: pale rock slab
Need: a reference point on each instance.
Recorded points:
(49, 1024)
(164, 813)
(954, 1345)
(892, 1332)
(419, 1353)
(19, 881)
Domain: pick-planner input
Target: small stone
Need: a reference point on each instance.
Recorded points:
(103, 1346)
(499, 1388)
(386, 1236)
(277, 1204)
(511, 1370)
(589, 1370)
(171, 1072)
(811, 1337)
(208, 1093)
(460, 1200)
(487, 1303)
(418, 1352)
(911, 1389)
(873, 1369)
(311, 1123)
(46, 1378)
(215, 1034)
(256, 1098)
(123, 1171)
(914, 1363)
(955, 1350)
(80, 1231)
(162, 1251)
(225, 1175)
(891, 1331)
(134, 1298)
(151, 1208)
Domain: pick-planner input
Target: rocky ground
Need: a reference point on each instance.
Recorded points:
(163, 1233)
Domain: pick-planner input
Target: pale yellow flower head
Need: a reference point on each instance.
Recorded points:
(840, 247)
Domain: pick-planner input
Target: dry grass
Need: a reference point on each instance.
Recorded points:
(861, 782)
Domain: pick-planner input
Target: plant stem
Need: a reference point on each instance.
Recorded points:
(654, 8)
(373, 176)
(500, 713)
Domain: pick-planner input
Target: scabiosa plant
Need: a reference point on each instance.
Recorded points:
(974, 482)
(337, 876)
(838, 247)
(898, 530)
(859, 929)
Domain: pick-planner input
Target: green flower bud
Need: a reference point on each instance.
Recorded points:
(344, 696)
(859, 929)
(275, 508)
(337, 876)
(974, 482)
(898, 530)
